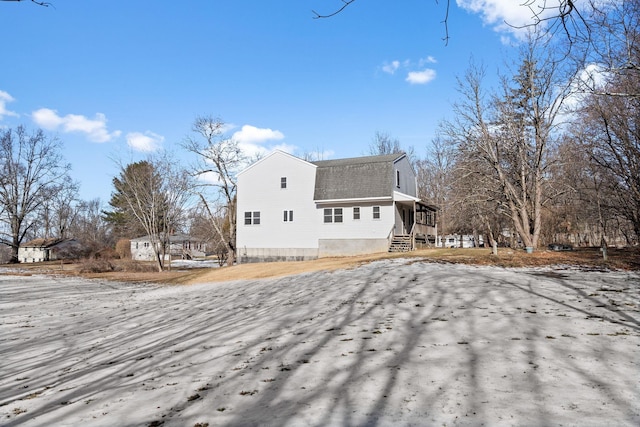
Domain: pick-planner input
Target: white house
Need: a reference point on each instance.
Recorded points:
(459, 241)
(181, 247)
(39, 250)
(292, 209)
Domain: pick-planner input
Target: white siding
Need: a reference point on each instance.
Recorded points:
(408, 183)
(259, 190)
(364, 228)
(30, 254)
(308, 236)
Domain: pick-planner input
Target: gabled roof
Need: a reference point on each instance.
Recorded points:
(42, 243)
(356, 178)
(275, 152)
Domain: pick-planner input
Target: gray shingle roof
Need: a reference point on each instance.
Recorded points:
(354, 178)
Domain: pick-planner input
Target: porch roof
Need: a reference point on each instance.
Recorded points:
(401, 197)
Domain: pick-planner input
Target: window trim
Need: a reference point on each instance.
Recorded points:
(356, 213)
(328, 215)
(283, 182)
(336, 215)
(333, 215)
(287, 216)
(252, 218)
(376, 211)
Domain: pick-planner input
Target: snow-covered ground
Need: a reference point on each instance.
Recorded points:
(394, 342)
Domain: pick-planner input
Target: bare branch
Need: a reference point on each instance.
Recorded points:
(346, 3)
(39, 3)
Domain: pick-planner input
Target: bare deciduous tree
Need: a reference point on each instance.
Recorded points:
(511, 135)
(609, 49)
(611, 135)
(59, 212)
(383, 143)
(155, 191)
(219, 159)
(90, 227)
(434, 176)
(33, 171)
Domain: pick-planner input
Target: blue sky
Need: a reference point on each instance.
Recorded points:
(120, 79)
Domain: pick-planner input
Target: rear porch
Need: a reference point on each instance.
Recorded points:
(415, 224)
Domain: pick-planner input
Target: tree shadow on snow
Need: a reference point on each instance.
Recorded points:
(392, 342)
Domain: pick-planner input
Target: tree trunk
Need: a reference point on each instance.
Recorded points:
(14, 252)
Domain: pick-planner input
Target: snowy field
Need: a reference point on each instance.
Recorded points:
(391, 343)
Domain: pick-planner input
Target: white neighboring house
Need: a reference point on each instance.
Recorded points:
(459, 241)
(39, 250)
(292, 209)
(182, 247)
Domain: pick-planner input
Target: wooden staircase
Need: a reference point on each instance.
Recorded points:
(401, 243)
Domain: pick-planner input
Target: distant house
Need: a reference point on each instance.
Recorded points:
(40, 250)
(460, 241)
(181, 247)
(292, 209)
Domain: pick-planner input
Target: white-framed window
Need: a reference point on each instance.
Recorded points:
(356, 213)
(332, 215)
(252, 218)
(287, 216)
(397, 178)
(283, 182)
(376, 212)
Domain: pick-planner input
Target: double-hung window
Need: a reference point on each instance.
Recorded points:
(376, 212)
(287, 216)
(283, 182)
(252, 218)
(356, 213)
(332, 215)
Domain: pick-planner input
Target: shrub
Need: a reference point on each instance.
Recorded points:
(96, 266)
(137, 267)
(123, 248)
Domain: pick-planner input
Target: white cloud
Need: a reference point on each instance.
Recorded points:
(391, 67)
(428, 60)
(287, 148)
(95, 129)
(146, 142)
(254, 150)
(4, 99)
(421, 77)
(253, 135)
(510, 16)
(592, 78)
(414, 77)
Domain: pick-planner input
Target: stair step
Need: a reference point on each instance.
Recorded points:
(400, 244)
